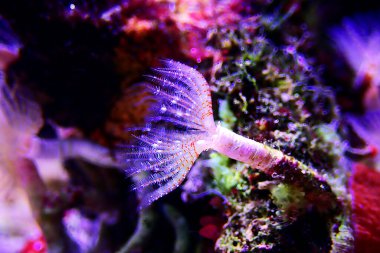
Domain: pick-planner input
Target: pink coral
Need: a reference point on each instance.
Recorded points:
(366, 209)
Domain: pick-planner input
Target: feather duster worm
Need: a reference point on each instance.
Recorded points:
(20, 119)
(181, 127)
(358, 40)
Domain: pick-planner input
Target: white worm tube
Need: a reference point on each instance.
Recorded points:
(245, 150)
(71, 148)
(256, 154)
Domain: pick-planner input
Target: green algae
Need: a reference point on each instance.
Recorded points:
(224, 178)
(286, 197)
(226, 115)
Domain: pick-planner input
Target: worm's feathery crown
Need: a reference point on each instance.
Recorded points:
(367, 126)
(358, 39)
(183, 95)
(20, 120)
(181, 120)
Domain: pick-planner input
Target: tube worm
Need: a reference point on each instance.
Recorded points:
(182, 126)
(358, 40)
(367, 127)
(71, 148)
(9, 45)
(20, 121)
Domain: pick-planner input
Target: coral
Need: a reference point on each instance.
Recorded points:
(253, 228)
(211, 227)
(365, 186)
(278, 99)
(35, 246)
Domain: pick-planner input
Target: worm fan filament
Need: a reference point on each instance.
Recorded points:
(20, 120)
(358, 39)
(174, 136)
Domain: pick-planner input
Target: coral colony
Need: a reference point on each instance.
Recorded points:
(267, 145)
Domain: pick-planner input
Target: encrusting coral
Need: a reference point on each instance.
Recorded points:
(279, 100)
